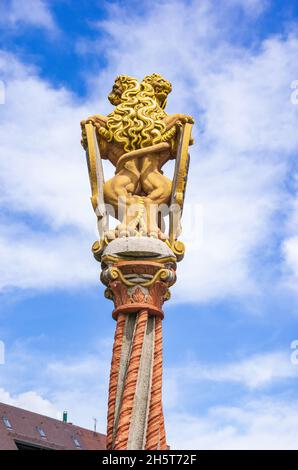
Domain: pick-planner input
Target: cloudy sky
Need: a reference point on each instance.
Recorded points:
(230, 378)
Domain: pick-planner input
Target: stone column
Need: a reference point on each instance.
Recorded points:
(138, 272)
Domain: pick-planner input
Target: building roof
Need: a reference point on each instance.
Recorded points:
(22, 429)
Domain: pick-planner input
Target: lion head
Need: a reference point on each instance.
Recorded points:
(122, 84)
(161, 87)
(138, 118)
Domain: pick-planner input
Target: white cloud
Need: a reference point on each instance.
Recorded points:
(38, 260)
(238, 199)
(251, 7)
(80, 384)
(31, 401)
(44, 182)
(255, 372)
(30, 12)
(290, 243)
(263, 424)
(241, 98)
(290, 251)
(43, 171)
(77, 384)
(246, 134)
(246, 131)
(255, 421)
(81, 387)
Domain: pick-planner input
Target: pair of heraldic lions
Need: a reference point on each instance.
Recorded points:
(138, 137)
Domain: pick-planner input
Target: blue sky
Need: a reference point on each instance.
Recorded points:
(228, 377)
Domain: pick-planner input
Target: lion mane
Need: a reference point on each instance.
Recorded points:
(138, 120)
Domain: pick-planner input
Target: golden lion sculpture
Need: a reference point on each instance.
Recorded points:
(138, 137)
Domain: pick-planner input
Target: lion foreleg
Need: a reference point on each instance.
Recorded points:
(158, 191)
(120, 193)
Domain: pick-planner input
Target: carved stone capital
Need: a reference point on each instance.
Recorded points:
(138, 274)
(138, 285)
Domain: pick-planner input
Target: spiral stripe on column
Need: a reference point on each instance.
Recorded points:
(154, 430)
(114, 376)
(125, 415)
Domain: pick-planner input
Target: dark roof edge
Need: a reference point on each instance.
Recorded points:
(53, 419)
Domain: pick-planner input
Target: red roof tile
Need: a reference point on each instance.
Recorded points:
(59, 435)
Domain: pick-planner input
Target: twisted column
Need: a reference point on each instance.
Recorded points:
(114, 377)
(138, 289)
(155, 436)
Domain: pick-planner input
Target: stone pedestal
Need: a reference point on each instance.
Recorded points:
(138, 272)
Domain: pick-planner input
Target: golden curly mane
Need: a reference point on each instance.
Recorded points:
(138, 121)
